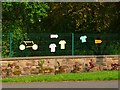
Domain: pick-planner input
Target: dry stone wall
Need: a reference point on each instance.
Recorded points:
(12, 67)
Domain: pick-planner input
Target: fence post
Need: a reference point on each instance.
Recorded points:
(72, 44)
(10, 44)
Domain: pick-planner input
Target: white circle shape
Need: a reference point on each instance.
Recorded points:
(22, 47)
(35, 47)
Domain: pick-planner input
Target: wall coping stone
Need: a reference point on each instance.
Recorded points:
(58, 57)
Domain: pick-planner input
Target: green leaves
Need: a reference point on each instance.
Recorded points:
(24, 13)
(85, 17)
(19, 18)
(61, 17)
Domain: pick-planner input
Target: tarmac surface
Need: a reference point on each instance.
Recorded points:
(71, 84)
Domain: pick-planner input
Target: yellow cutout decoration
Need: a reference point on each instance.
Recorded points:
(98, 41)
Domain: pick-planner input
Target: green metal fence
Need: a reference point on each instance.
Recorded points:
(61, 44)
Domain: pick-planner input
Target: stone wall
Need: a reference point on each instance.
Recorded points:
(12, 67)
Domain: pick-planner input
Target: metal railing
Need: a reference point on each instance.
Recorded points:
(62, 44)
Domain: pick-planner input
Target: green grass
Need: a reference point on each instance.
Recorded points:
(85, 76)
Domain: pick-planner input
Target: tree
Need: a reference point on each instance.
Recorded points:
(86, 18)
(82, 17)
(20, 18)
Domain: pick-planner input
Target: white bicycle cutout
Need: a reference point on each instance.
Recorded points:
(28, 44)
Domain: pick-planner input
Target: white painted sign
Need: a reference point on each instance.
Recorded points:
(62, 44)
(35, 47)
(22, 47)
(83, 38)
(52, 47)
(53, 36)
(28, 44)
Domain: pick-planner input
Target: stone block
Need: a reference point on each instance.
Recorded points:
(17, 70)
(23, 63)
(35, 62)
(58, 65)
(4, 74)
(25, 71)
(9, 72)
(4, 63)
(29, 64)
(48, 70)
(34, 70)
(49, 63)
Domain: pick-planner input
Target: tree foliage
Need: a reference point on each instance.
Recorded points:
(27, 14)
(87, 18)
(22, 18)
(83, 17)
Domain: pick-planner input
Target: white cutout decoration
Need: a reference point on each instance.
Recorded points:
(83, 38)
(53, 36)
(35, 47)
(28, 44)
(22, 47)
(62, 44)
(52, 47)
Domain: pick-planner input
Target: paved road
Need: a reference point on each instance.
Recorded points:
(81, 84)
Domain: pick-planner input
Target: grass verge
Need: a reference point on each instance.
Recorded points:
(84, 76)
